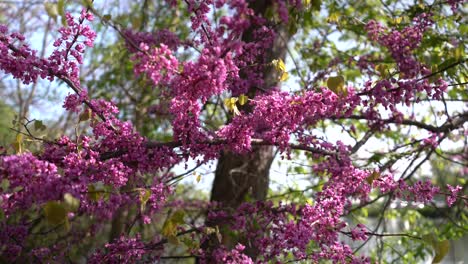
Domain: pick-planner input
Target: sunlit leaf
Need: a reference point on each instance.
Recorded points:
(243, 99)
(230, 104)
(284, 76)
(71, 203)
(281, 69)
(279, 65)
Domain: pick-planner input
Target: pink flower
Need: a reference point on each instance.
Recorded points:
(452, 197)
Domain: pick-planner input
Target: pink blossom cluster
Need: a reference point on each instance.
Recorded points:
(232, 256)
(452, 197)
(20, 60)
(107, 170)
(124, 250)
(402, 43)
(65, 61)
(31, 181)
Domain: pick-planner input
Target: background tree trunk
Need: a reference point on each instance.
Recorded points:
(241, 177)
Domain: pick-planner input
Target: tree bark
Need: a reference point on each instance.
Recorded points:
(242, 177)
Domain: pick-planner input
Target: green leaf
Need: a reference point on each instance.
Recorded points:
(61, 7)
(106, 18)
(18, 144)
(5, 184)
(52, 10)
(337, 85)
(97, 191)
(145, 194)
(178, 217)
(55, 212)
(441, 249)
(71, 203)
(383, 70)
(300, 170)
(169, 229)
(88, 3)
(374, 176)
(39, 126)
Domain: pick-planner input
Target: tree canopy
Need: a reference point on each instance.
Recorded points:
(363, 102)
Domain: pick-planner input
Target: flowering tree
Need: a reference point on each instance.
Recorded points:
(108, 195)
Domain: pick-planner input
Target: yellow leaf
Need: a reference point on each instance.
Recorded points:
(281, 69)
(230, 104)
(337, 85)
(279, 65)
(17, 147)
(168, 228)
(55, 212)
(72, 204)
(397, 20)
(374, 176)
(18, 144)
(236, 111)
(333, 18)
(86, 115)
(243, 99)
(383, 70)
(198, 179)
(284, 76)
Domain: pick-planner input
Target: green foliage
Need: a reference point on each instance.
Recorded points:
(7, 135)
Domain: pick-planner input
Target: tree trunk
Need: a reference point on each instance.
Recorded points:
(238, 177)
